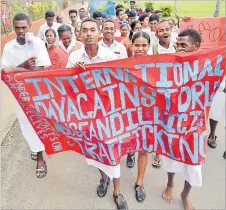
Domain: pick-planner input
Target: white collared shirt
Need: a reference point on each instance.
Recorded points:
(43, 28)
(162, 50)
(15, 54)
(117, 48)
(69, 48)
(103, 55)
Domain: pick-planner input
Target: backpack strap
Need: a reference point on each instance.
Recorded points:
(155, 48)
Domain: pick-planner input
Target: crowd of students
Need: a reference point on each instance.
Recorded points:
(92, 38)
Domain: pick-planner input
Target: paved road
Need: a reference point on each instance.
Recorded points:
(71, 184)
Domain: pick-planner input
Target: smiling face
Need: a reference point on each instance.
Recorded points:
(66, 38)
(89, 33)
(153, 24)
(163, 32)
(140, 47)
(137, 28)
(186, 44)
(108, 30)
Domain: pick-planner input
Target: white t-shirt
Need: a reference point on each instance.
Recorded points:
(103, 55)
(14, 54)
(43, 28)
(170, 49)
(117, 48)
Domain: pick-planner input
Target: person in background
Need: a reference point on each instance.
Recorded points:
(104, 17)
(77, 32)
(73, 18)
(98, 16)
(144, 20)
(173, 26)
(135, 26)
(131, 16)
(174, 30)
(49, 17)
(124, 30)
(140, 47)
(148, 11)
(119, 6)
(132, 8)
(217, 114)
(66, 43)
(120, 15)
(153, 22)
(59, 19)
(82, 13)
(188, 40)
(96, 53)
(109, 42)
(18, 54)
(159, 13)
(51, 41)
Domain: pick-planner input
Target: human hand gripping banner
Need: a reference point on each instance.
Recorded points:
(155, 104)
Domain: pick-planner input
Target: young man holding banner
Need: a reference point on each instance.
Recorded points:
(188, 40)
(94, 53)
(29, 54)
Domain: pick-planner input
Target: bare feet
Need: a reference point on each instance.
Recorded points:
(167, 195)
(187, 204)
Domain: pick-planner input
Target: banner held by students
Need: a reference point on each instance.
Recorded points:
(212, 30)
(112, 108)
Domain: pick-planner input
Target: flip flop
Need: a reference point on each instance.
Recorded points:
(212, 142)
(157, 163)
(42, 171)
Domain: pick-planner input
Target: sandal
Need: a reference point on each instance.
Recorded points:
(120, 202)
(157, 162)
(42, 171)
(34, 156)
(130, 161)
(103, 187)
(140, 193)
(212, 142)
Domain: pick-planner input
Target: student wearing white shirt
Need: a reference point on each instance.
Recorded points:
(49, 16)
(163, 33)
(94, 53)
(66, 43)
(27, 54)
(188, 40)
(73, 17)
(108, 41)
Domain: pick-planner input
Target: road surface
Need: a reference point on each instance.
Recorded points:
(71, 184)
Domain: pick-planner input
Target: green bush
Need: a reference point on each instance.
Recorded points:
(37, 10)
(166, 10)
(149, 4)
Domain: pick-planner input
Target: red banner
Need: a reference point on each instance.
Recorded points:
(212, 30)
(154, 103)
